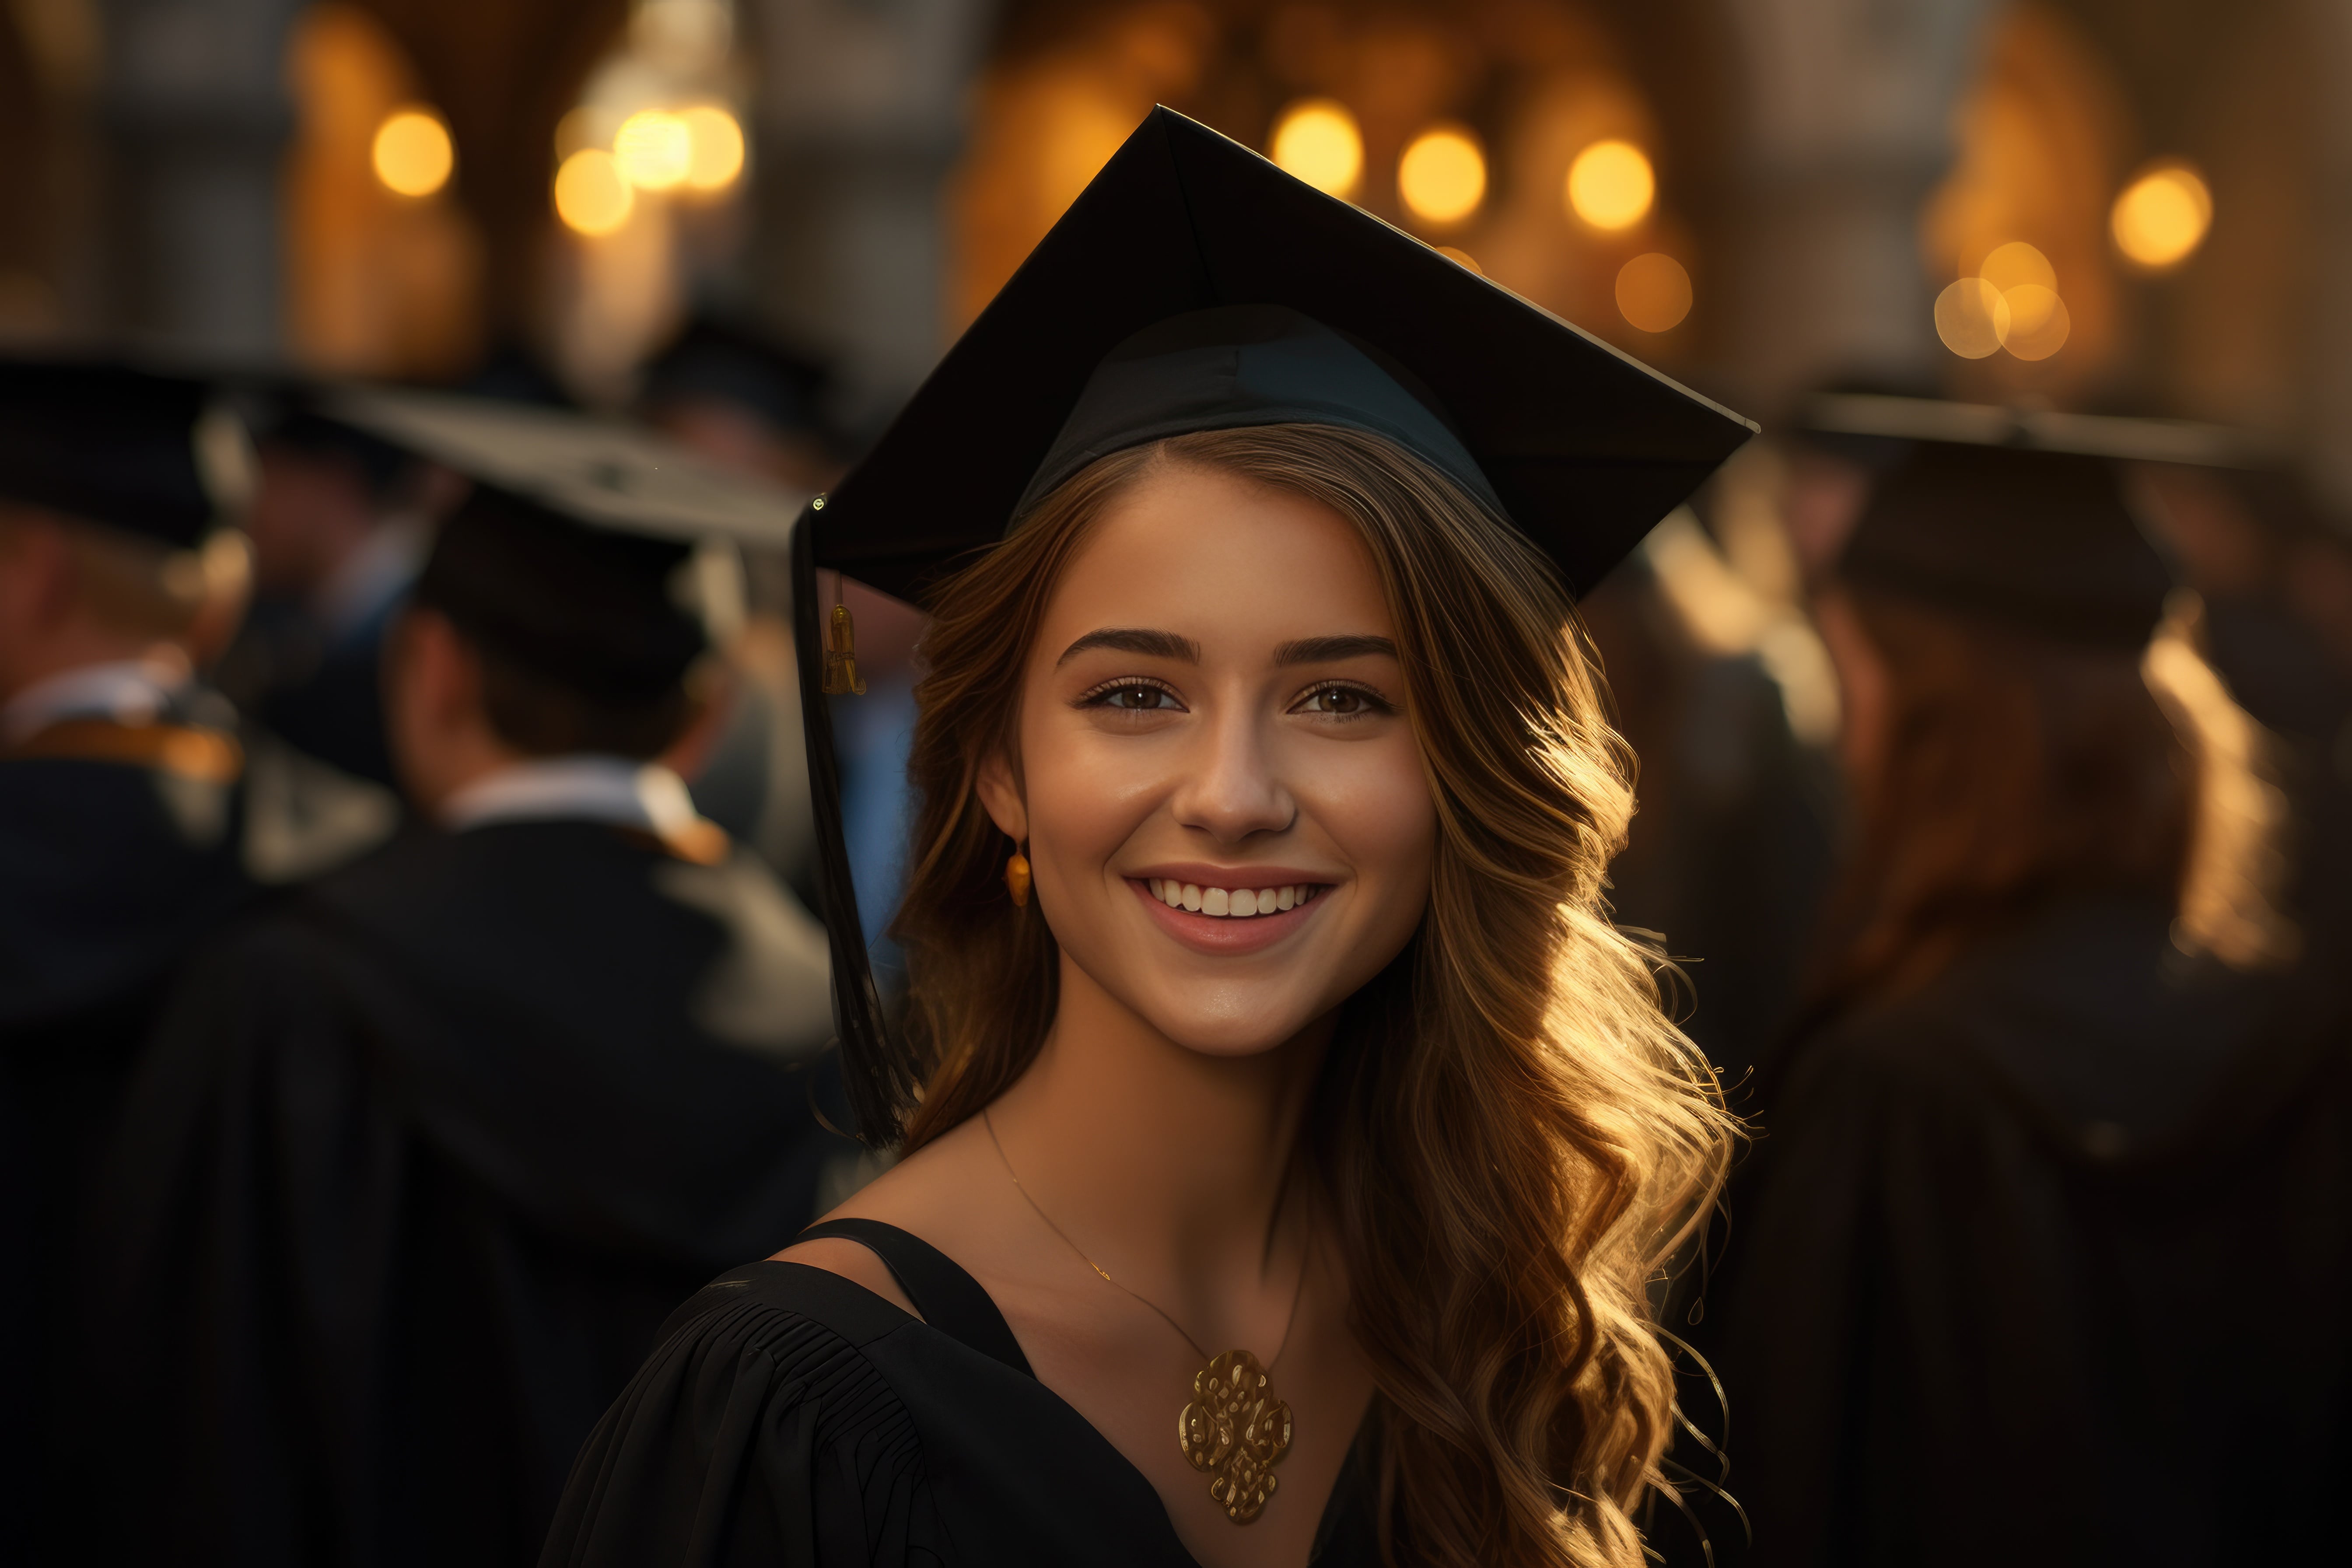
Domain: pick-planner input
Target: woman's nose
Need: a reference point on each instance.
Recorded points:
(1232, 788)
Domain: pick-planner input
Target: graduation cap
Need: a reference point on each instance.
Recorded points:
(600, 473)
(1584, 447)
(2017, 516)
(144, 451)
(588, 551)
(1895, 420)
(1194, 286)
(287, 411)
(723, 361)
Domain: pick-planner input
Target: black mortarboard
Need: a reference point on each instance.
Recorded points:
(587, 608)
(149, 453)
(576, 555)
(1195, 286)
(289, 411)
(1585, 447)
(2016, 517)
(719, 359)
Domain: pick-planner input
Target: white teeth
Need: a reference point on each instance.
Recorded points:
(1235, 903)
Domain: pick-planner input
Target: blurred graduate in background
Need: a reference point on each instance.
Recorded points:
(755, 404)
(1727, 696)
(2042, 1254)
(339, 524)
(122, 805)
(747, 401)
(418, 1162)
(2272, 566)
(137, 809)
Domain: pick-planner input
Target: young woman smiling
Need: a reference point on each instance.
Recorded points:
(1286, 1136)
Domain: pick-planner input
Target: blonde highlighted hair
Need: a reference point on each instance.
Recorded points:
(2239, 826)
(1515, 1136)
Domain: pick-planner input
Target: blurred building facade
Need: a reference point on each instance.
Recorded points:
(1953, 194)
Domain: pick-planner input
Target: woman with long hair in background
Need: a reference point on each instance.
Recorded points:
(1285, 1137)
(2023, 1267)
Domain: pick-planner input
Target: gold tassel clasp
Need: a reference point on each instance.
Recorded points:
(841, 676)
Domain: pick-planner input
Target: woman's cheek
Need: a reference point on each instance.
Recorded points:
(1382, 816)
(1086, 794)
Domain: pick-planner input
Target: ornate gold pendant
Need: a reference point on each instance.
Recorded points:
(1236, 1431)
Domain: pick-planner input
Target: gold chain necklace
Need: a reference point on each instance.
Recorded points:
(1235, 1430)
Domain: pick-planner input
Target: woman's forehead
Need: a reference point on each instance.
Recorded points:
(1208, 555)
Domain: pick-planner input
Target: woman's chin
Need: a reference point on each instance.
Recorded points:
(1251, 1029)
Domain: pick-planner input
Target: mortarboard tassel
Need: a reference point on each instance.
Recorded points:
(841, 676)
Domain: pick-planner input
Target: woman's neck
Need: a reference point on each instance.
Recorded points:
(1172, 1161)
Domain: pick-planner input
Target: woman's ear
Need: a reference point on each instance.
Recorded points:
(1001, 794)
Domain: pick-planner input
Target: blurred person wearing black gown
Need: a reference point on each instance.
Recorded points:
(1733, 844)
(2273, 567)
(749, 403)
(415, 1163)
(746, 401)
(2043, 1255)
(339, 524)
(122, 811)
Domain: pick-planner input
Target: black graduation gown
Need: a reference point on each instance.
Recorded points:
(119, 848)
(414, 1168)
(793, 1417)
(2052, 1262)
(1734, 844)
(320, 691)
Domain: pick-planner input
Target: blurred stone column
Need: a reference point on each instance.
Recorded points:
(196, 119)
(859, 120)
(2330, 429)
(1844, 129)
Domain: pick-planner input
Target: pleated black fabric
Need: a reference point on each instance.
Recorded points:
(414, 1170)
(2051, 1263)
(793, 1417)
(108, 872)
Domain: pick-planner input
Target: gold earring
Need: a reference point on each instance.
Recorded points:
(1016, 879)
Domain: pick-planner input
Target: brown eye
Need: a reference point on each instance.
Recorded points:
(1338, 702)
(1135, 699)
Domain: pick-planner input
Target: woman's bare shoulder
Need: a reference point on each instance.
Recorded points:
(930, 1195)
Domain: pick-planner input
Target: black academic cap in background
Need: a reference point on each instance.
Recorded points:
(590, 609)
(289, 411)
(144, 451)
(725, 362)
(2016, 517)
(1892, 417)
(1818, 421)
(1584, 447)
(1195, 286)
(588, 551)
(600, 473)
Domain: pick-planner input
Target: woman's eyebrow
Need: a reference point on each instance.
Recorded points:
(1135, 639)
(1325, 650)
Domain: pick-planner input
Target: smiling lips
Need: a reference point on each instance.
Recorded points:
(1231, 902)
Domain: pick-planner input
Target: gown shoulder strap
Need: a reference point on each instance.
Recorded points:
(949, 1299)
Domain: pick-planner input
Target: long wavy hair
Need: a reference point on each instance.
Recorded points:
(2017, 769)
(1517, 1136)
